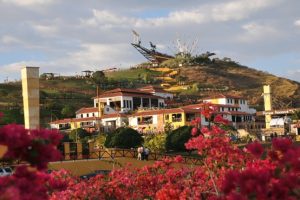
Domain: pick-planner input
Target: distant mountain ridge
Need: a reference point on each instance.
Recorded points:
(245, 81)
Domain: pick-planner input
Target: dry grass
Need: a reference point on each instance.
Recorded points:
(81, 167)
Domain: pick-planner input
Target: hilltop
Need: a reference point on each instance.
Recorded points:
(196, 81)
(244, 81)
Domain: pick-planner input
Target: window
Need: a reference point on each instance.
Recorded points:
(136, 102)
(154, 102)
(145, 120)
(81, 115)
(222, 108)
(87, 115)
(130, 104)
(93, 114)
(190, 117)
(167, 117)
(146, 102)
(176, 118)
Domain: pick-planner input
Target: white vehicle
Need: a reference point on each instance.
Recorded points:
(5, 171)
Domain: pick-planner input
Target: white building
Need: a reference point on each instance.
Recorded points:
(232, 108)
(125, 100)
(157, 91)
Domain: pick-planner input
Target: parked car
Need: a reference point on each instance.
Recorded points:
(5, 171)
(88, 176)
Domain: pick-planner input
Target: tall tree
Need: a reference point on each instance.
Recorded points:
(98, 77)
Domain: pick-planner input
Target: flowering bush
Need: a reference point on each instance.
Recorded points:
(226, 172)
(36, 148)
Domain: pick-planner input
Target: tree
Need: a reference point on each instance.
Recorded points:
(78, 134)
(68, 111)
(168, 127)
(124, 137)
(14, 115)
(177, 138)
(156, 143)
(98, 77)
(296, 115)
(99, 140)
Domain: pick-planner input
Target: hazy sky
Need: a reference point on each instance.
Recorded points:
(68, 36)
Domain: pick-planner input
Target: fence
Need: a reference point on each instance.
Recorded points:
(104, 153)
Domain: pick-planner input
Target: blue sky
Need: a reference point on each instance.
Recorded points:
(68, 36)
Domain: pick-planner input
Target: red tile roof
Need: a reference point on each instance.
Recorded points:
(87, 110)
(86, 119)
(113, 115)
(165, 111)
(153, 89)
(61, 121)
(234, 113)
(218, 96)
(297, 125)
(200, 105)
(126, 92)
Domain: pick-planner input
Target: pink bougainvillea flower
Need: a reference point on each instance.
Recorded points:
(220, 120)
(255, 148)
(281, 144)
(194, 131)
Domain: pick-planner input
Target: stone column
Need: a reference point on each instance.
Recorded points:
(92, 150)
(79, 150)
(267, 104)
(31, 97)
(67, 150)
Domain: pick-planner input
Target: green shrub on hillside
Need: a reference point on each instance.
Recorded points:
(156, 143)
(123, 138)
(99, 141)
(177, 138)
(78, 134)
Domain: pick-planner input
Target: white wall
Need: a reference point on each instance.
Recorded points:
(54, 126)
(133, 121)
(85, 115)
(124, 107)
(154, 119)
(164, 95)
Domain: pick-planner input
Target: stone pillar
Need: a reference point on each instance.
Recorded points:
(31, 97)
(267, 104)
(79, 150)
(67, 150)
(91, 150)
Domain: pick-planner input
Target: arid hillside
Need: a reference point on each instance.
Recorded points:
(244, 81)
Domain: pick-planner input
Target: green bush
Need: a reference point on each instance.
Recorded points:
(78, 134)
(99, 140)
(177, 138)
(156, 143)
(123, 138)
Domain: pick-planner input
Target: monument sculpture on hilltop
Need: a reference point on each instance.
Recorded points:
(154, 56)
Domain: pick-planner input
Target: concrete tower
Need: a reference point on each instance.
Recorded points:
(31, 97)
(268, 104)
